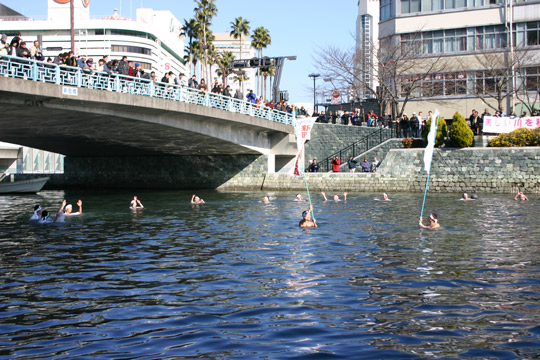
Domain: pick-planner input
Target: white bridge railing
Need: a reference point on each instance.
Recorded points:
(74, 76)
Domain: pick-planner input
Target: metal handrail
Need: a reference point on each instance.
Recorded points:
(356, 148)
(16, 67)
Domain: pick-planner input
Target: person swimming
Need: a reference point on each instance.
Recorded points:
(336, 196)
(69, 209)
(521, 196)
(465, 197)
(433, 222)
(37, 213)
(298, 198)
(135, 203)
(265, 200)
(45, 217)
(306, 219)
(384, 198)
(197, 200)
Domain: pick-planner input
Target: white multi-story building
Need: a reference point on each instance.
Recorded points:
(225, 42)
(152, 39)
(478, 41)
(367, 32)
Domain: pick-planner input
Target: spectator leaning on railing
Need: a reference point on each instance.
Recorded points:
(4, 45)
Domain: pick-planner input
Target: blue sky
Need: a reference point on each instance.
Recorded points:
(297, 27)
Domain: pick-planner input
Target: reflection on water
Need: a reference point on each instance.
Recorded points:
(237, 279)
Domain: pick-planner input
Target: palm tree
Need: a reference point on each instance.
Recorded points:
(260, 39)
(266, 72)
(240, 28)
(226, 58)
(204, 12)
(190, 30)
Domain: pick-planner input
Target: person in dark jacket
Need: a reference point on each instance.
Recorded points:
(123, 66)
(414, 125)
(405, 125)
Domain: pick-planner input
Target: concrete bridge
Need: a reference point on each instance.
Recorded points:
(111, 133)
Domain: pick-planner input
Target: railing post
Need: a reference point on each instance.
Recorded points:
(151, 89)
(79, 77)
(57, 79)
(34, 74)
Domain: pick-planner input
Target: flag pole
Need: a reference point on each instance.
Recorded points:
(432, 138)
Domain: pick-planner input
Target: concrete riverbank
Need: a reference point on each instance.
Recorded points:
(482, 170)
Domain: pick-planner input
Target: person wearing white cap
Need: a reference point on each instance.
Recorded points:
(4, 45)
(433, 222)
(69, 209)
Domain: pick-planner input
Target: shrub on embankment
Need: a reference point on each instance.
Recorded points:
(442, 130)
(519, 137)
(460, 134)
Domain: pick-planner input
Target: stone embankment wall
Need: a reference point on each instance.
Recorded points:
(327, 139)
(480, 170)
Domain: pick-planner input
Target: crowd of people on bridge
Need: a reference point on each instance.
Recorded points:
(111, 67)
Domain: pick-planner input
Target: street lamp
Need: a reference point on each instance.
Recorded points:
(314, 76)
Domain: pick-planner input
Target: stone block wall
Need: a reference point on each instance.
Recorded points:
(478, 170)
(327, 139)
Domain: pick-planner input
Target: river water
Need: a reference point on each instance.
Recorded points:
(238, 279)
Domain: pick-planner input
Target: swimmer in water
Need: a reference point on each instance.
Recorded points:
(37, 213)
(298, 198)
(465, 197)
(521, 196)
(336, 197)
(196, 200)
(45, 217)
(69, 209)
(265, 200)
(384, 197)
(135, 203)
(433, 222)
(306, 219)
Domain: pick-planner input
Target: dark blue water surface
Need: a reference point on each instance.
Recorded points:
(238, 279)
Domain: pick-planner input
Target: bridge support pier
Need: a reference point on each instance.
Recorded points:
(160, 172)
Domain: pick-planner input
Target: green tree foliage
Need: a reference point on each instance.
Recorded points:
(519, 137)
(442, 130)
(460, 133)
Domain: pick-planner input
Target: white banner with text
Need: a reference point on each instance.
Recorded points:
(498, 125)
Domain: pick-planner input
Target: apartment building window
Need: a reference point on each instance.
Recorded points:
(532, 79)
(430, 5)
(458, 40)
(131, 49)
(386, 9)
(532, 33)
(410, 6)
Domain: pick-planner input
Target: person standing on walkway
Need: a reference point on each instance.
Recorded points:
(352, 164)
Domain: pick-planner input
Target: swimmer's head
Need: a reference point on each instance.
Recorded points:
(37, 207)
(433, 217)
(465, 196)
(298, 196)
(69, 207)
(266, 199)
(385, 196)
(336, 197)
(44, 214)
(197, 198)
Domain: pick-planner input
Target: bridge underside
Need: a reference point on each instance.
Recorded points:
(128, 141)
(100, 123)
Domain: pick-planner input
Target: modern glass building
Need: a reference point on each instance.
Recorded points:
(488, 49)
